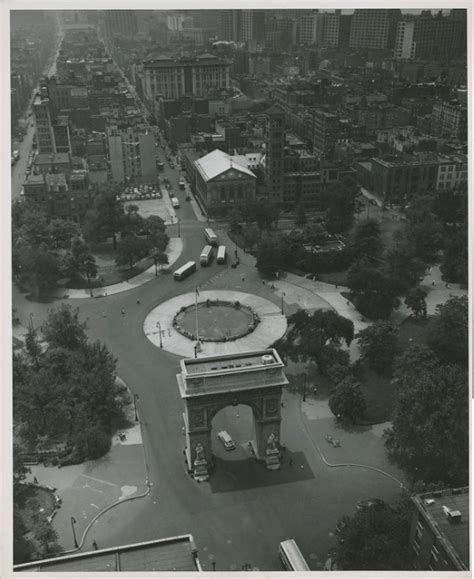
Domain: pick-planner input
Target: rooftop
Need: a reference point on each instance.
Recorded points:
(455, 535)
(217, 364)
(231, 372)
(172, 554)
(218, 162)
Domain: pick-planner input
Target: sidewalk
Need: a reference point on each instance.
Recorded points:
(174, 250)
(87, 489)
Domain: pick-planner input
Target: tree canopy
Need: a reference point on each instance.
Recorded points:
(347, 402)
(449, 333)
(379, 344)
(374, 539)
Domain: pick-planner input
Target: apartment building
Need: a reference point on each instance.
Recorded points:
(373, 28)
(132, 155)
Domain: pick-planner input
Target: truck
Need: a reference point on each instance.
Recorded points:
(175, 202)
(182, 184)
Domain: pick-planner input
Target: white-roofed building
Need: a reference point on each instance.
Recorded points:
(223, 183)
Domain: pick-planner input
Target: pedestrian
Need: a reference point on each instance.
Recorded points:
(123, 312)
(138, 302)
(433, 283)
(94, 544)
(337, 286)
(35, 480)
(347, 302)
(447, 286)
(243, 279)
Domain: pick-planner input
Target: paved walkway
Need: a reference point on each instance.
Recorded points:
(272, 325)
(175, 247)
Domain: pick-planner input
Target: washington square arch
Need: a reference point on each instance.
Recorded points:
(208, 384)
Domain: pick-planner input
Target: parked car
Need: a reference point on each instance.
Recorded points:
(226, 440)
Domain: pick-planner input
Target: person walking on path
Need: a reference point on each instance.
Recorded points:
(35, 480)
(94, 544)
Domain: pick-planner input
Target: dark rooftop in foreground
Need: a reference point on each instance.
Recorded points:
(454, 535)
(171, 554)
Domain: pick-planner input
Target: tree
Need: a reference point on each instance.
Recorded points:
(271, 253)
(424, 232)
(449, 331)
(416, 301)
(455, 261)
(347, 401)
(430, 425)
(106, 218)
(366, 241)
(403, 268)
(318, 337)
(62, 232)
(234, 221)
(32, 346)
(130, 249)
(300, 217)
(375, 295)
(132, 222)
(45, 534)
(23, 550)
(379, 344)
(251, 235)
(375, 538)
(341, 202)
(62, 328)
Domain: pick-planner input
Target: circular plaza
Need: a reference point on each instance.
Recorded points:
(226, 322)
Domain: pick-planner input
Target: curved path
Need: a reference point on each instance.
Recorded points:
(272, 325)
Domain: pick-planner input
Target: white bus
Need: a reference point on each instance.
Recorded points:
(221, 254)
(206, 255)
(210, 236)
(291, 556)
(175, 202)
(184, 270)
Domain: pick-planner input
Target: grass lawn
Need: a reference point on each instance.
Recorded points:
(335, 277)
(35, 501)
(412, 330)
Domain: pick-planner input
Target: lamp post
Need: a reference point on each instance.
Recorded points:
(135, 399)
(304, 387)
(155, 260)
(32, 315)
(158, 325)
(73, 521)
(283, 294)
(195, 351)
(179, 228)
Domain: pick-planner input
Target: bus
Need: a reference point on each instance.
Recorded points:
(291, 556)
(175, 202)
(210, 236)
(206, 255)
(184, 270)
(221, 254)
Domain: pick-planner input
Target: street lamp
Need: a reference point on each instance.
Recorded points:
(179, 229)
(155, 260)
(32, 315)
(73, 521)
(304, 387)
(282, 296)
(158, 325)
(135, 399)
(195, 351)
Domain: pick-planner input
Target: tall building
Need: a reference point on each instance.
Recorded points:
(132, 155)
(275, 153)
(331, 22)
(373, 28)
(229, 25)
(195, 77)
(120, 22)
(430, 37)
(253, 25)
(43, 122)
(310, 28)
(439, 536)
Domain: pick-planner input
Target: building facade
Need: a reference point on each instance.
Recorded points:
(132, 155)
(197, 77)
(275, 153)
(221, 183)
(373, 28)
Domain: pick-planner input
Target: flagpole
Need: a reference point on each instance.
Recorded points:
(197, 324)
